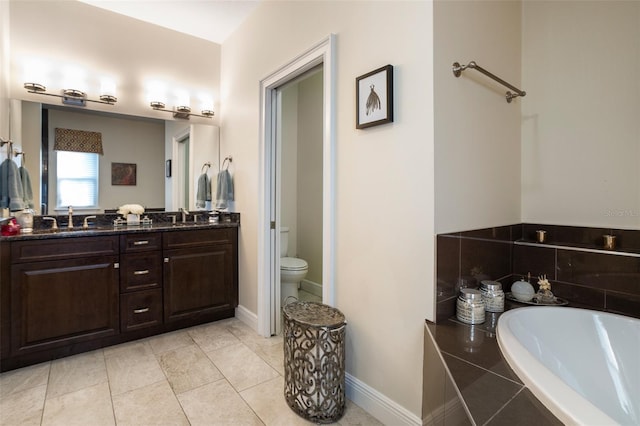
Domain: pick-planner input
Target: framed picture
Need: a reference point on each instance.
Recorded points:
(167, 168)
(374, 98)
(123, 174)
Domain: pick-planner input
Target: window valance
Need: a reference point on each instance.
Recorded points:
(78, 141)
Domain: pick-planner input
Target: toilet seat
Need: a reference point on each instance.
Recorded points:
(292, 264)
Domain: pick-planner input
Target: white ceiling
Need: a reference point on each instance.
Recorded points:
(211, 20)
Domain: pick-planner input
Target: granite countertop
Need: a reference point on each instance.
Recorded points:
(103, 225)
(490, 390)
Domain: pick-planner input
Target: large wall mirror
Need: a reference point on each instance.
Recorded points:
(138, 145)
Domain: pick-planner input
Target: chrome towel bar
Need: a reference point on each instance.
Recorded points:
(457, 70)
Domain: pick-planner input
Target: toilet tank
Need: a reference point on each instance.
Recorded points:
(284, 241)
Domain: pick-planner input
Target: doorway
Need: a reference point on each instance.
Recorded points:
(270, 217)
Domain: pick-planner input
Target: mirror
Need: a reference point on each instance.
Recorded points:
(136, 142)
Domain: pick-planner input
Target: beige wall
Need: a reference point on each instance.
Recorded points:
(63, 33)
(477, 131)
(309, 209)
(301, 181)
(580, 119)
(384, 175)
(5, 72)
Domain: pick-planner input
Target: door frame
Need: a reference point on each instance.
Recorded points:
(268, 237)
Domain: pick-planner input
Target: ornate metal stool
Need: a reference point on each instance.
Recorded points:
(314, 360)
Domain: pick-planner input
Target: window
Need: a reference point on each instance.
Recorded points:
(77, 179)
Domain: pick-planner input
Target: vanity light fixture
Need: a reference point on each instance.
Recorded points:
(183, 112)
(70, 96)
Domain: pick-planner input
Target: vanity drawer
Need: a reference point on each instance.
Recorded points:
(131, 243)
(194, 238)
(62, 248)
(140, 271)
(140, 309)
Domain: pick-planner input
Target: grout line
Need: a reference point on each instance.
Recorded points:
(482, 368)
(503, 406)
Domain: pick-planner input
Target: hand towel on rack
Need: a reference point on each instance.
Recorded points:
(27, 191)
(203, 193)
(11, 192)
(224, 192)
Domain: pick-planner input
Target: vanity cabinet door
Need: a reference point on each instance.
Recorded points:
(63, 302)
(199, 283)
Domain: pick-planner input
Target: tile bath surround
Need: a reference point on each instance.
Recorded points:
(573, 258)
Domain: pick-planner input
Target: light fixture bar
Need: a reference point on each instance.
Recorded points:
(182, 112)
(70, 96)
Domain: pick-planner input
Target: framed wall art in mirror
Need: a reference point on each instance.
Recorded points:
(123, 174)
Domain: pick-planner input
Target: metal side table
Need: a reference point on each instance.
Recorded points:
(314, 360)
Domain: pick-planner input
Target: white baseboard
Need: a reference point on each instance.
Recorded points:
(247, 317)
(378, 405)
(311, 287)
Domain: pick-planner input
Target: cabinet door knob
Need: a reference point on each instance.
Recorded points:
(140, 311)
(116, 265)
(146, 271)
(166, 260)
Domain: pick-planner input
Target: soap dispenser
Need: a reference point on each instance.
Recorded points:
(523, 290)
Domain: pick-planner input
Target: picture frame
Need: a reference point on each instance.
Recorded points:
(374, 98)
(167, 168)
(123, 173)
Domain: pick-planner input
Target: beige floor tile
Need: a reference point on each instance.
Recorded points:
(155, 404)
(88, 406)
(76, 372)
(241, 366)
(273, 355)
(132, 368)
(356, 416)
(267, 400)
(169, 341)
(138, 349)
(24, 378)
(212, 336)
(249, 337)
(187, 368)
(217, 404)
(23, 407)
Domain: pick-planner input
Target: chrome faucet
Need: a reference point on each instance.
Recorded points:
(70, 224)
(85, 224)
(184, 213)
(53, 219)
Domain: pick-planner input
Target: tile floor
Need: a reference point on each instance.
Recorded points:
(220, 373)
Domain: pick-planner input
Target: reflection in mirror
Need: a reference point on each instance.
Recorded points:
(137, 144)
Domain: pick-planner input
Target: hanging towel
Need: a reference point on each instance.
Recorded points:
(27, 192)
(204, 191)
(11, 191)
(224, 192)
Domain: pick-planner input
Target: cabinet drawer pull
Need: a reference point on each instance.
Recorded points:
(144, 272)
(140, 243)
(140, 311)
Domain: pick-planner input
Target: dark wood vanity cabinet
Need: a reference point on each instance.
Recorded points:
(63, 292)
(200, 278)
(64, 295)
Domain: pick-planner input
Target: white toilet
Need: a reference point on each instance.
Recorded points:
(292, 270)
